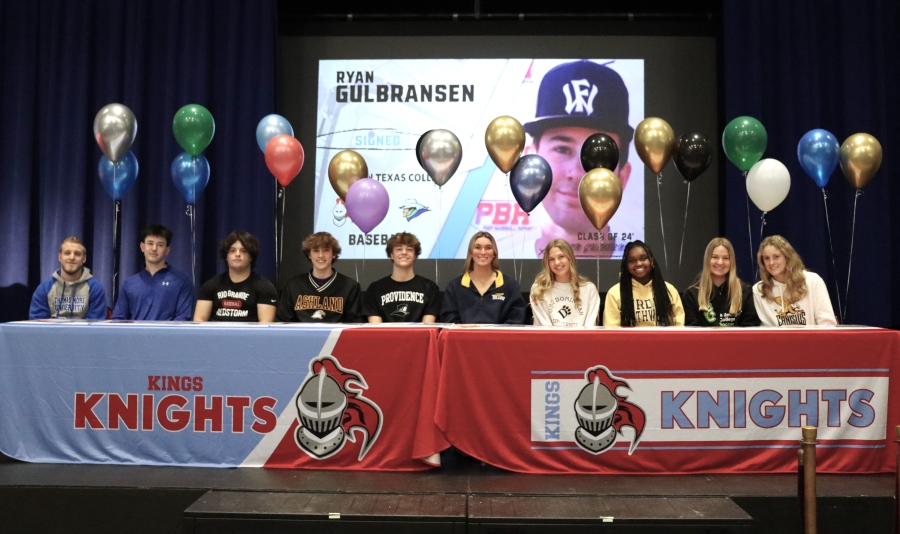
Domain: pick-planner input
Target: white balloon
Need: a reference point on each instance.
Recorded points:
(768, 183)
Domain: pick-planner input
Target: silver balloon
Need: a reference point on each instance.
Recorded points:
(114, 129)
(440, 153)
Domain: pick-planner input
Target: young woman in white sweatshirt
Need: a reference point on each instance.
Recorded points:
(787, 294)
(559, 295)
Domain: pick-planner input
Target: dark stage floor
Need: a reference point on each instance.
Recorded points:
(97, 498)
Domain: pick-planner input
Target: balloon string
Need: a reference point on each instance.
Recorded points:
(115, 236)
(437, 229)
(356, 263)
(749, 232)
(512, 236)
(837, 289)
(280, 245)
(684, 226)
(277, 241)
(661, 226)
(762, 223)
(850, 263)
(190, 213)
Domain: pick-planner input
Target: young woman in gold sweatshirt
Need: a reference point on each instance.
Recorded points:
(642, 297)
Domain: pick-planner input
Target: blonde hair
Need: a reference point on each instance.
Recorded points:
(470, 261)
(795, 287)
(705, 284)
(544, 279)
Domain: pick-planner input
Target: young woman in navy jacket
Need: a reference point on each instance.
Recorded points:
(483, 294)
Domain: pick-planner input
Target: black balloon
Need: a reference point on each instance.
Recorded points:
(599, 150)
(692, 155)
(419, 146)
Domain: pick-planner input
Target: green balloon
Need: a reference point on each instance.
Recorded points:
(744, 140)
(194, 128)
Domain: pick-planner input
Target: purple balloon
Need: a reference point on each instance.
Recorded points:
(367, 203)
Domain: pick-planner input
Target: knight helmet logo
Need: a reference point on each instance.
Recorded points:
(332, 409)
(602, 412)
(339, 212)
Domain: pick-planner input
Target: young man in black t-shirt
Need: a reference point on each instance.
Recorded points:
(404, 296)
(239, 294)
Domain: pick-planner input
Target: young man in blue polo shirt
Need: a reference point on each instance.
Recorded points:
(157, 293)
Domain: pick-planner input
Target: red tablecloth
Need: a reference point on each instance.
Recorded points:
(676, 400)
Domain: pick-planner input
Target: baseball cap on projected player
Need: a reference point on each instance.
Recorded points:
(582, 93)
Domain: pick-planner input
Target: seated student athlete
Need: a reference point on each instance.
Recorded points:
(719, 297)
(642, 297)
(787, 294)
(322, 295)
(239, 294)
(158, 292)
(403, 296)
(559, 295)
(71, 293)
(483, 294)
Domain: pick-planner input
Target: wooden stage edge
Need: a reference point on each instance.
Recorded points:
(67, 498)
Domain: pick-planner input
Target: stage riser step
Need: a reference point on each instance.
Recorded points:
(281, 526)
(274, 512)
(576, 514)
(253, 512)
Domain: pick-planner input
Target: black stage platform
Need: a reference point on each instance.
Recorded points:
(462, 496)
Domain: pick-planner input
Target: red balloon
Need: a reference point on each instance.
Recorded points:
(284, 158)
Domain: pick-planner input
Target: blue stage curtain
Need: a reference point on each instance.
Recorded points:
(828, 64)
(61, 61)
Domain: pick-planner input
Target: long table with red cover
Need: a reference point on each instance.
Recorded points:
(219, 395)
(667, 401)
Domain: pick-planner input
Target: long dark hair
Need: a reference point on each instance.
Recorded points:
(665, 315)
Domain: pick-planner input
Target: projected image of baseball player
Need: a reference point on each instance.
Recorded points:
(576, 100)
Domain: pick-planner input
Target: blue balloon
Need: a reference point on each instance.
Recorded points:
(819, 153)
(530, 180)
(190, 174)
(117, 178)
(272, 126)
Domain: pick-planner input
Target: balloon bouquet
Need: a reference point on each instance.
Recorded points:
(367, 200)
(600, 191)
(115, 128)
(439, 153)
(530, 177)
(284, 158)
(767, 181)
(194, 128)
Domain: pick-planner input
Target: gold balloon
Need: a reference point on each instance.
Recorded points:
(505, 140)
(860, 159)
(345, 169)
(654, 141)
(600, 192)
